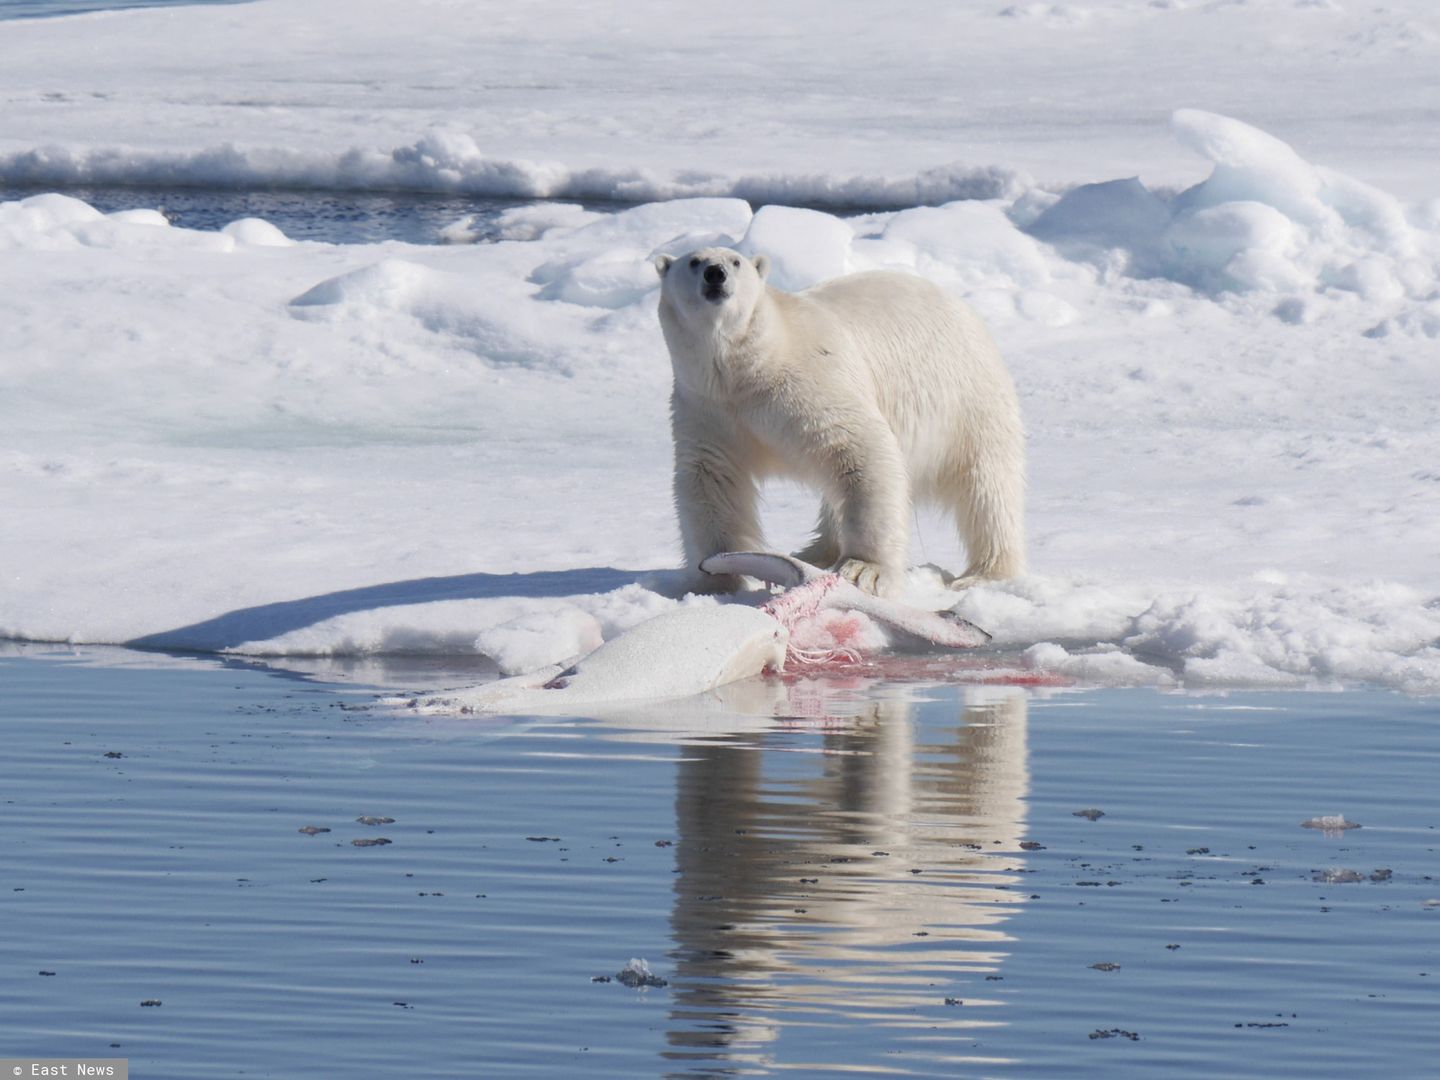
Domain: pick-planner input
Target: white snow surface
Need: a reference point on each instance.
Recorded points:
(806, 101)
(1225, 333)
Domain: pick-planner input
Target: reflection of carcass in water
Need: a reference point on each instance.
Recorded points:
(868, 879)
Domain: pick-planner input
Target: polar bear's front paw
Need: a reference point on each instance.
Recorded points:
(867, 576)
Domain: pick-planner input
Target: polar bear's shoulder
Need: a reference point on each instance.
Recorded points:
(873, 288)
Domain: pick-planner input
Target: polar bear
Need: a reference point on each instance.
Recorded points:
(876, 388)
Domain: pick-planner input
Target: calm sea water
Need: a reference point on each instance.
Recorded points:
(332, 217)
(899, 885)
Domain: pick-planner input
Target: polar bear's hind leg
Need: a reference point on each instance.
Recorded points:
(989, 514)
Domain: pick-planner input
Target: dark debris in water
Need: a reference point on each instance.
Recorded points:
(313, 830)
(1340, 875)
(1090, 814)
(366, 819)
(1106, 965)
(370, 841)
(1277, 1023)
(150, 1003)
(637, 974)
(1115, 1033)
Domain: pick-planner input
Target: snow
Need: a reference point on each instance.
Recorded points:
(1225, 332)
(813, 101)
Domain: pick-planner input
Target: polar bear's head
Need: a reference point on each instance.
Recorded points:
(713, 290)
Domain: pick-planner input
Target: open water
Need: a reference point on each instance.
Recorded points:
(334, 217)
(916, 880)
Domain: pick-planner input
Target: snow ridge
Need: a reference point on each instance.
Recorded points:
(450, 162)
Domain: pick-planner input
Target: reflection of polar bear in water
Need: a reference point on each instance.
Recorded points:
(877, 388)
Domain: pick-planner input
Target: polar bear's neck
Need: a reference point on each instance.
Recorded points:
(724, 357)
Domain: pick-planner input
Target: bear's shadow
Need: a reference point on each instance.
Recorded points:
(266, 621)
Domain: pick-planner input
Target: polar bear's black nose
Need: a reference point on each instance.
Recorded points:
(714, 275)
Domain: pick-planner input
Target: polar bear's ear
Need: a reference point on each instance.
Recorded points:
(762, 265)
(662, 263)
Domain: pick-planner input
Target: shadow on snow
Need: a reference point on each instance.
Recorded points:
(267, 621)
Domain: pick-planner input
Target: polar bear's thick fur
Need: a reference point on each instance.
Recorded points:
(876, 388)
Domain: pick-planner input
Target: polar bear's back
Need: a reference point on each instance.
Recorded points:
(937, 373)
(905, 320)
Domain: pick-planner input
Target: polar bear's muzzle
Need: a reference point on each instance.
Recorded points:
(716, 285)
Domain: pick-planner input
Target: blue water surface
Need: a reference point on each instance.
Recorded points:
(910, 880)
(333, 217)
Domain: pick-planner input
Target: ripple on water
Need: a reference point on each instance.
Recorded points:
(895, 888)
(334, 217)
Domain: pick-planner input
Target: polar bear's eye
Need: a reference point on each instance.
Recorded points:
(694, 264)
(735, 263)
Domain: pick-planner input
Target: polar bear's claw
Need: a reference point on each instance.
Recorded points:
(866, 576)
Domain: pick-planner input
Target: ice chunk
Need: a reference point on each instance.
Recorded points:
(612, 279)
(152, 218)
(1266, 219)
(59, 221)
(805, 247)
(543, 219)
(1240, 244)
(1107, 665)
(1116, 213)
(1333, 825)
(1250, 166)
(972, 243)
(653, 224)
(43, 212)
(257, 233)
